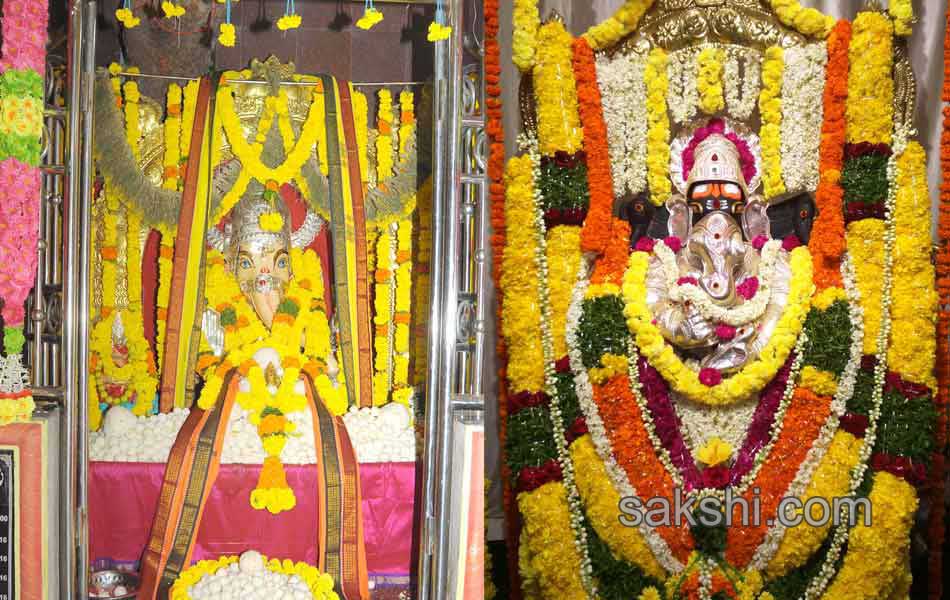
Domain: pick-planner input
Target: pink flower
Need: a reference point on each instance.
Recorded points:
(759, 242)
(687, 281)
(725, 332)
(791, 242)
(673, 242)
(645, 244)
(716, 477)
(710, 377)
(748, 287)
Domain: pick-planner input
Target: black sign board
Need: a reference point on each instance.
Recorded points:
(7, 545)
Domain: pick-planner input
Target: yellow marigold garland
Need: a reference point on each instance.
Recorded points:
(319, 584)
(524, 40)
(407, 121)
(756, 374)
(601, 501)
(902, 11)
(564, 259)
(658, 132)
(172, 137)
(383, 305)
(914, 304)
(809, 21)
(770, 107)
(548, 541)
(361, 122)
(403, 304)
(522, 310)
(384, 143)
(870, 106)
(559, 126)
(830, 480)
(709, 82)
(866, 246)
(875, 555)
(619, 25)
(131, 106)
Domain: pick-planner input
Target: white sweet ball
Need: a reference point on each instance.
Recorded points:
(268, 356)
(395, 415)
(118, 420)
(119, 590)
(251, 563)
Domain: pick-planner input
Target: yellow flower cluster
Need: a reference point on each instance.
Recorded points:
(188, 119)
(619, 25)
(559, 126)
(271, 221)
(172, 137)
(133, 132)
(383, 308)
(770, 107)
(521, 305)
(273, 500)
(226, 35)
(384, 142)
(865, 240)
(715, 452)
(548, 542)
(612, 364)
(709, 80)
(525, 35)
(139, 381)
(755, 374)
(831, 480)
(361, 122)
(902, 11)
(809, 21)
(319, 584)
(403, 304)
(172, 10)
(914, 303)
(601, 501)
(821, 382)
(289, 22)
(870, 110)
(828, 296)
(876, 554)
(19, 410)
(658, 123)
(564, 258)
(127, 18)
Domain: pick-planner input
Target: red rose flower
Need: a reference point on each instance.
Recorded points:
(710, 377)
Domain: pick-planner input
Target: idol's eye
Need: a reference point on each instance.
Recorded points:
(282, 262)
(730, 189)
(244, 263)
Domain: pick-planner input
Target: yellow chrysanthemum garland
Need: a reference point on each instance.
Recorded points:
(770, 107)
(875, 554)
(914, 306)
(319, 584)
(172, 125)
(870, 105)
(519, 279)
(384, 143)
(361, 122)
(133, 132)
(564, 259)
(524, 41)
(709, 80)
(830, 480)
(658, 131)
(619, 25)
(809, 21)
(902, 11)
(548, 542)
(559, 126)
(865, 240)
(756, 374)
(601, 501)
(384, 307)
(189, 104)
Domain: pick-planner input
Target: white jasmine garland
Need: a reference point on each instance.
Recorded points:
(741, 102)
(817, 586)
(706, 567)
(623, 96)
(803, 85)
(595, 425)
(770, 545)
(683, 96)
(748, 311)
(702, 422)
(530, 144)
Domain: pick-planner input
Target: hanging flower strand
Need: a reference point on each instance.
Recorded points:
(438, 30)
(226, 35)
(172, 10)
(124, 15)
(370, 17)
(290, 20)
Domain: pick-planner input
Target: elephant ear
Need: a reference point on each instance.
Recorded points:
(681, 217)
(755, 219)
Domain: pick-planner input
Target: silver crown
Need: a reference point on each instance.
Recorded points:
(717, 159)
(245, 226)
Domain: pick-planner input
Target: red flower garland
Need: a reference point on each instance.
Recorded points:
(935, 524)
(596, 232)
(496, 194)
(827, 237)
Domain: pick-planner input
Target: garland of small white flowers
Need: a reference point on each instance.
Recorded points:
(818, 585)
(624, 95)
(530, 144)
(747, 312)
(595, 425)
(683, 95)
(845, 390)
(741, 108)
(705, 578)
(803, 85)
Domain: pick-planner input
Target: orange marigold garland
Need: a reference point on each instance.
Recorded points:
(937, 468)
(496, 180)
(827, 237)
(596, 232)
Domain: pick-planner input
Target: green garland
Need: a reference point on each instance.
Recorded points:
(530, 439)
(564, 188)
(602, 329)
(829, 338)
(864, 179)
(617, 579)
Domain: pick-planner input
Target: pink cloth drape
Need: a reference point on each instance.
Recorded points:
(123, 498)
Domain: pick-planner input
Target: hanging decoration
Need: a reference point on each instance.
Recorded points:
(371, 16)
(125, 16)
(172, 10)
(438, 29)
(226, 33)
(21, 130)
(290, 18)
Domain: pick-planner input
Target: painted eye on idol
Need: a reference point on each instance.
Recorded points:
(282, 262)
(245, 263)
